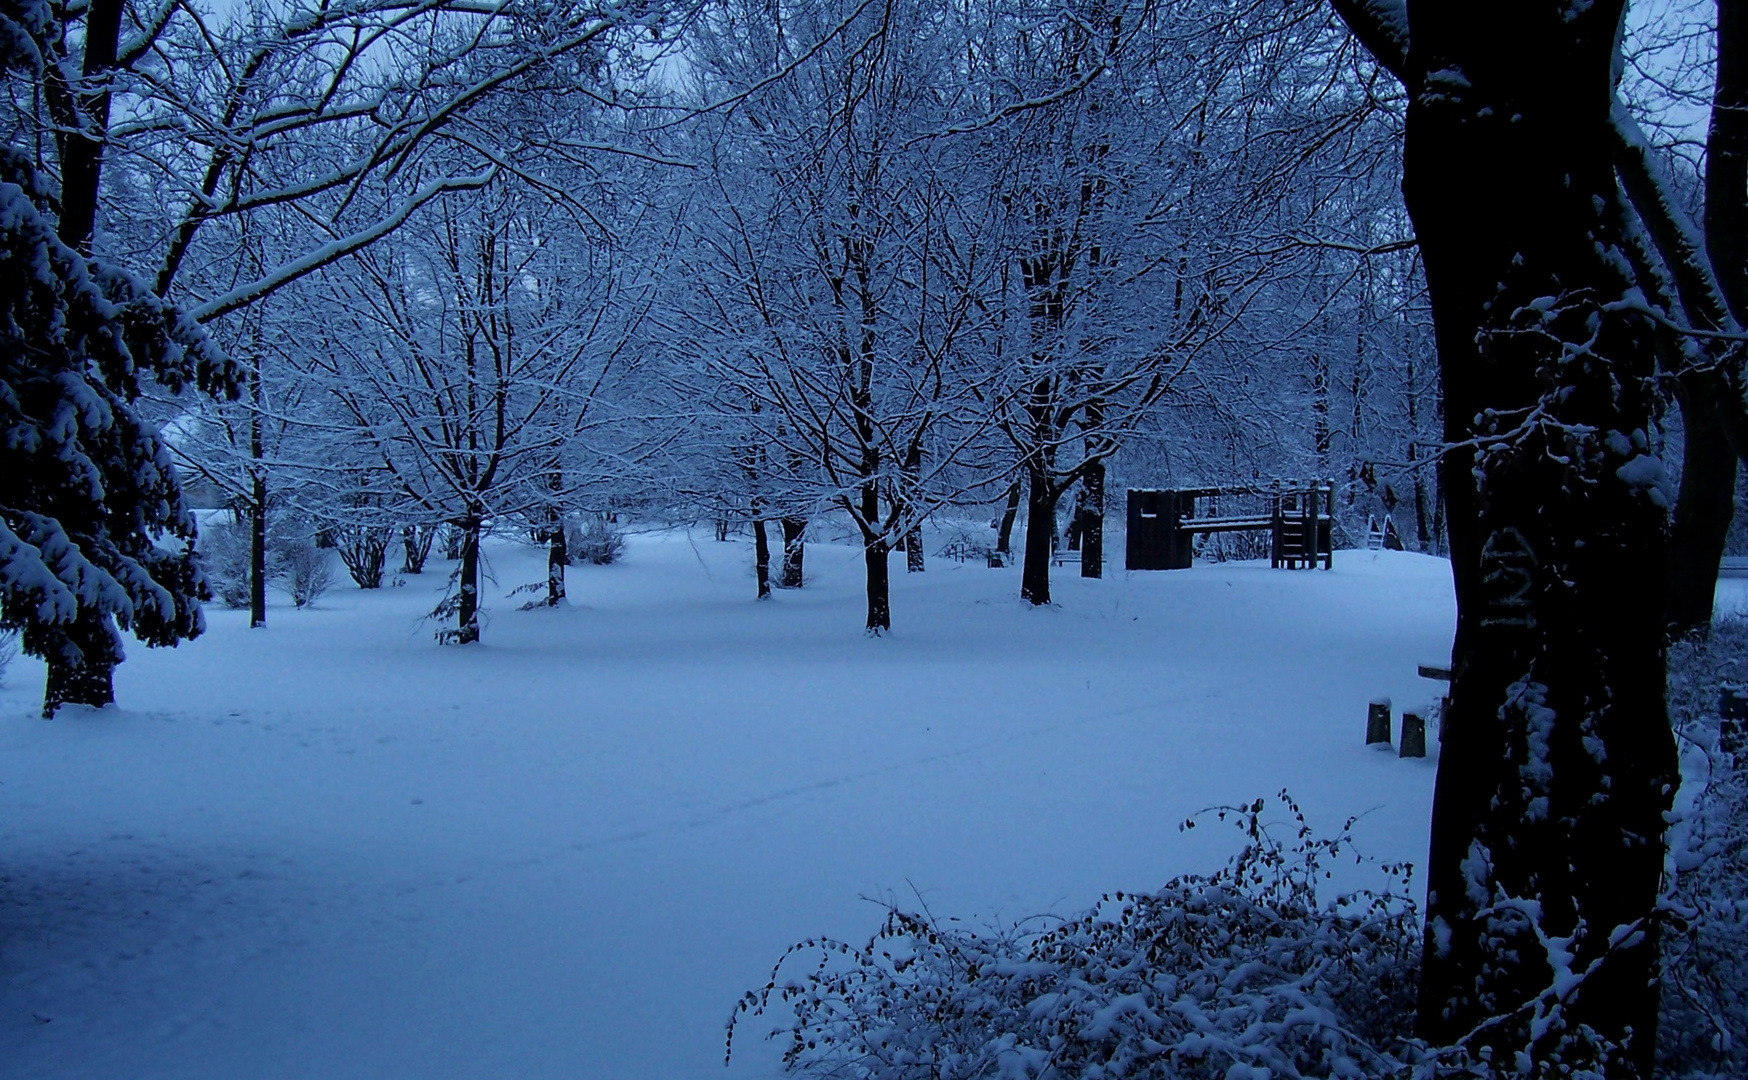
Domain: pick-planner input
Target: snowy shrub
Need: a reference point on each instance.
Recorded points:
(1246, 972)
(1225, 547)
(363, 550)
(1704, 1029)
(964, 544)
(453, 541)
(416, 547)
(303, 568)
(224, 556)
(595, 539)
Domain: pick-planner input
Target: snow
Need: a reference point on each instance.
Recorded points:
(332, 848)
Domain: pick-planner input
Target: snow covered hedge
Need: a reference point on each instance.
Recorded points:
(1244, 973)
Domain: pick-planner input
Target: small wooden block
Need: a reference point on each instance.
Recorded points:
(1413, 742)
(1378, 722)
(1433, 671)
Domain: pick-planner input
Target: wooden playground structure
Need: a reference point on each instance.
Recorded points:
(1163, 524)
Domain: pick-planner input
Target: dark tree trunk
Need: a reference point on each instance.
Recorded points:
(82, 145)
(911, 543)
(1092, 522)
(1004, 535)
(1726, 180)
(1557, 762)
(1706, 502)
(1421, 537)
(1040, 538)
(879, 581)
(762, 558)
(874, 549)
(257, 502)
(467, 598)
(557, 558)
(85, 676)
(794, 550)
(257, 551)
(1423, 541)
(1703, 512)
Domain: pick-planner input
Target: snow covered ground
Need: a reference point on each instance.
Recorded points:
(334, 849)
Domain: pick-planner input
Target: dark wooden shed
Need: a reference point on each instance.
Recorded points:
(1155, 542)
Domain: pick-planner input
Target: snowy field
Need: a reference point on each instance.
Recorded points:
(334, 849)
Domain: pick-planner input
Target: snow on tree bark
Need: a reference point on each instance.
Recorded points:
(794, 553)
(1558, 762)
(762, 558)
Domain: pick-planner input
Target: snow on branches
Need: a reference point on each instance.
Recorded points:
(1243, 972)
(88, 490)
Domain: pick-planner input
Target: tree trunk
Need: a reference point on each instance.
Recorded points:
(1421, 536)
(879, 596)
(1076, 515)
(467, 599)
(85, 674)
(874, 549)
(257, 550)
(1726, 180)
(83, 143)
(1706, 502)
(257, 502)
(1558, 762)
(794, 549)
(557, 558)
(762, 558)
(1703, 512)
(1040, 538)
(1092, 522)
(1005, 534)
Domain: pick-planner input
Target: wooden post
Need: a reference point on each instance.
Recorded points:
(1378, 722)
(1276, 530)
(1310, 518)
(1329, 545)
(1413, 736)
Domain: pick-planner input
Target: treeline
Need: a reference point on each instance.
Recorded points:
(876, 260)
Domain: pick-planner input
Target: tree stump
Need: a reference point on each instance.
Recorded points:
(1378, 722)
(1413, 736)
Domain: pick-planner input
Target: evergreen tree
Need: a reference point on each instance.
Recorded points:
(95, 536)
